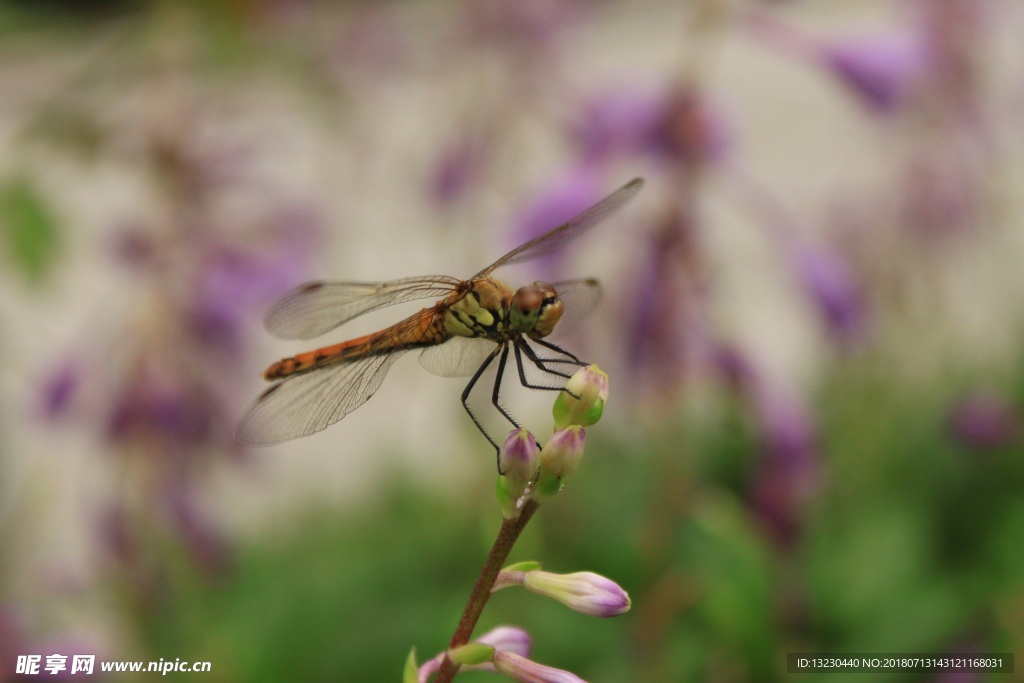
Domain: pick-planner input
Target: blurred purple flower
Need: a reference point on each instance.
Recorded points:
(831, 286)
(619, 121)
(942, 192)
(234, 282)
(789, 470)
(148, 406)
(456, 171)
(526, 24)
(879, 69)
(205, 542)
(821, 270)
(133, 245)
(13, 641)
(673, 123)
(556, 203)
(373, 42)
(116, 536)
(659, 329)
(60, 387)
(954, 37)
(985, 421)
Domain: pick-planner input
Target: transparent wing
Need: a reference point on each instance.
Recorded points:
(557, 238)
(314, 308)
(457, 357)
(305, 404)
(579, 299)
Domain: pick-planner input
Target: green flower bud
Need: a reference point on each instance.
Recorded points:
(582, 402)
(559, 459)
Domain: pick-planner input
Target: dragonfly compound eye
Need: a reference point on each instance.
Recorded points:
(525, 307)
(549, 313)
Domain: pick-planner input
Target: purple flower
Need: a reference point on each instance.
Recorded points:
(205, 543)
(879, 69)
(825, 276)
(508, 639)
(558, 202)
(456, 171)
(60, 388)
(134, 246)
(788, 472)
(621, 121)
(831, 286)
(525, 671)
(659, 328)
(984, 422)
(150, 406)
(526, 24)
(668, 123)
(234, 282)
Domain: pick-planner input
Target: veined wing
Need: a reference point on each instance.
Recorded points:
(557, 238)
(305, 404)
(579, 299)
(457, 357)
(314, 308)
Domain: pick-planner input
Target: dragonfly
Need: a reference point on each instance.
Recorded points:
(473, 323)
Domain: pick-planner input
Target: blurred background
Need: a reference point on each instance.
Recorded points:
(812, 324)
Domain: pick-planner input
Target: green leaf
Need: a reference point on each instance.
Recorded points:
(28, 228)
(410, 674)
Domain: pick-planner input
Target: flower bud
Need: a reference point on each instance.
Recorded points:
(517, 462)
(522, 669)
(559, 459)
(513, 574)
(582, 402)
(584, 592)
(508, 639)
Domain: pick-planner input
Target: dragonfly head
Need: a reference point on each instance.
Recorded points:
(535, 310)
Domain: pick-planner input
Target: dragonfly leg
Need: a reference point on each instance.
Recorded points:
(496, 394)
(524, 348)
(539, 362)
(469, 388)
(559, 349)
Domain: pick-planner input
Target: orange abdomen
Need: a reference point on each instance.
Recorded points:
(425, 328)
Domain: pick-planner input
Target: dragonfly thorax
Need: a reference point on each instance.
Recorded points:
(535, 310)
(490, 309)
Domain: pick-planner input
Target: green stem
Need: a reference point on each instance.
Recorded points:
(507, 537)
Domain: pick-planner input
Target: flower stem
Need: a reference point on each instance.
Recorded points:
(507, 537)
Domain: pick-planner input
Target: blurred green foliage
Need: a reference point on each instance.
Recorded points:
(30, 231)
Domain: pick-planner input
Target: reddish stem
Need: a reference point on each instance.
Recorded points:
(507, 537)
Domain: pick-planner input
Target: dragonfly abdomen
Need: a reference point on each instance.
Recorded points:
(418, 331)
